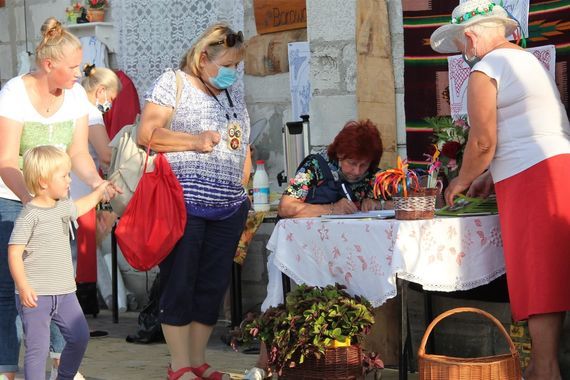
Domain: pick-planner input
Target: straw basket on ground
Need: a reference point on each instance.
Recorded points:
(417, 205)
(341, 363)
(440, 367)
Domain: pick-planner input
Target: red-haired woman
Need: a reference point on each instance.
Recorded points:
(323, 183)
(326, 179)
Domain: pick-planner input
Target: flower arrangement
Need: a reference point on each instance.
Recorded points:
(310, 321)
(397, 181)
(74, 7)
(450, 137)
(74, 11)
(97, 4)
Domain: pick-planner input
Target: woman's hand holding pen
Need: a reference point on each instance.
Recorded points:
(344, 206)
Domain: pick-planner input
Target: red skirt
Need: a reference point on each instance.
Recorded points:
(534, 212)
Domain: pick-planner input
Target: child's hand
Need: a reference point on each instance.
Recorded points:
(28, 297)
(108, 190)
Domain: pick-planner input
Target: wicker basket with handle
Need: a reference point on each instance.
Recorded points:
(341, 363)
(417, 205)
(440, 367)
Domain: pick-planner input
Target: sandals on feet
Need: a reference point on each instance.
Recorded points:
(175, 375)
(214, 375)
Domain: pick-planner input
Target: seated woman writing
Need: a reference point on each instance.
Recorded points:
(338, 179)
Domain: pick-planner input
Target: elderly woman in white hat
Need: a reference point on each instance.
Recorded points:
(520, 141)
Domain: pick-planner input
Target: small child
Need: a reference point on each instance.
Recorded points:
(40, 262)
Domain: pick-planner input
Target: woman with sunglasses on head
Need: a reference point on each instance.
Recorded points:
(208, 152)
(520, 132)
(44, 107)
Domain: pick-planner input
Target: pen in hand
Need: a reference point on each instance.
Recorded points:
(346, 192)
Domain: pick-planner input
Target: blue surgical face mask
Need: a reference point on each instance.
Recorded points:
(225, 78)
(105, 106)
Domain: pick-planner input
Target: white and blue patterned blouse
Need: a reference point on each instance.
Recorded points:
(212, 182)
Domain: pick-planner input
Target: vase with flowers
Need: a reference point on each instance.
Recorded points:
(96, 10)
(74, 11)
(450, 137)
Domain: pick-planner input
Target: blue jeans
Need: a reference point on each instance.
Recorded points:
(10, 323)
(10, 328)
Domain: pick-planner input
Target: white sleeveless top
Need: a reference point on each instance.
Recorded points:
(532, 124)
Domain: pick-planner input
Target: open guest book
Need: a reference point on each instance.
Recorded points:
(376, 214)
(465, 206)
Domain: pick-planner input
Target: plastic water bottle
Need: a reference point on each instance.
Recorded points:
(260, 188)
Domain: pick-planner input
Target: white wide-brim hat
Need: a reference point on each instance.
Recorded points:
(465, 14)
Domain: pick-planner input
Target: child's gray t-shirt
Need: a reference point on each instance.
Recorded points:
(47, 257)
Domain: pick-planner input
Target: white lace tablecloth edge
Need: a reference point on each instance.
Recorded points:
(375, 301)
(466, 285)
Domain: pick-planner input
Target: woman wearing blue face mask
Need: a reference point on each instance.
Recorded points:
(102, 87)
(208, 152)
(520, 132)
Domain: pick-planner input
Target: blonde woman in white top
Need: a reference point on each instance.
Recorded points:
(45, 107)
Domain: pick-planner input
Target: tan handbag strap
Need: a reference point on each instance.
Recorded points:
(179, 86)
(422, 348)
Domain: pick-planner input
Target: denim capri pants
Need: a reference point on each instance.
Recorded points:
(195, 275)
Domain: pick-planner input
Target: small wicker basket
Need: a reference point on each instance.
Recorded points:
(341, 363)
(417, 205)
(440, 367)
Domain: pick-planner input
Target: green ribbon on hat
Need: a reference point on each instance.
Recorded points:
(473, 13)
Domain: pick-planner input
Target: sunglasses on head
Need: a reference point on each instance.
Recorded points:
(230, 39)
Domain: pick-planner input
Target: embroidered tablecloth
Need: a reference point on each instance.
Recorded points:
(443, 254)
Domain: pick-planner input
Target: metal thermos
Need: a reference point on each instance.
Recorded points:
(296, 146)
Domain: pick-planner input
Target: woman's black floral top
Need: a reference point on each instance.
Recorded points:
(310, 175)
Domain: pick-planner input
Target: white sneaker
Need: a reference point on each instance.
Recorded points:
(53, 375)
(255, 374)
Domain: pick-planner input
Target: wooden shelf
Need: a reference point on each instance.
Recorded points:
(104, 31)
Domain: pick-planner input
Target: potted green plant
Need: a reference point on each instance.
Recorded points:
(97, 10)
(311, 325)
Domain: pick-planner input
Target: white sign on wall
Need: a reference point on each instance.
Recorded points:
(299, 54)
(459, 74)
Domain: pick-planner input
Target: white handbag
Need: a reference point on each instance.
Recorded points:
(128, 158)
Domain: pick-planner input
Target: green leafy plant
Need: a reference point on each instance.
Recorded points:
(309, 321)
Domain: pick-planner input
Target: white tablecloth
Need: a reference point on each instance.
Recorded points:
(443, 254)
